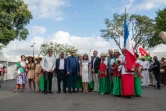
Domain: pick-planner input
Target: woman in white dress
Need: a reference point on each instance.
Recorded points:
(84, 72)
(21, 74)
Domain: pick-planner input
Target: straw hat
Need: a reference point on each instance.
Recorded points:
(103, 54)
(110, 50)
(29, 57)
(38, 57)
(143, 57)
(116, 50)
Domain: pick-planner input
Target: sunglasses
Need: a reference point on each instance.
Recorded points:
(72, 52)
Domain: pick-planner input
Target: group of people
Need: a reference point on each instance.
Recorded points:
(102, 74)
(154, 71)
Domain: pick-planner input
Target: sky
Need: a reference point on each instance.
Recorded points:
(76, 22)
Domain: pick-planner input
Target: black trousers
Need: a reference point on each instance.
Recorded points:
(48, 81)
(61, 77)
(157, 77)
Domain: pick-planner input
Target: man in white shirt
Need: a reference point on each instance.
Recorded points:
(48, 65)
(61, 72)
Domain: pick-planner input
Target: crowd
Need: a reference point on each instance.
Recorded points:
(105, 75)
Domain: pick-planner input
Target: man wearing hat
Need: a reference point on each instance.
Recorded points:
(48, 64)
(109, 70)
(73, 69)
(38, 69)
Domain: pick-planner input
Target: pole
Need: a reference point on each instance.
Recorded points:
(33, 50)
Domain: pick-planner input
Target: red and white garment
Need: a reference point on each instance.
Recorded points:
(127, 79)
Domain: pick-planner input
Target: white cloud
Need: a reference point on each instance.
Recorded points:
(37, 30)
(83, 44)
(146, 5)
(45, 9)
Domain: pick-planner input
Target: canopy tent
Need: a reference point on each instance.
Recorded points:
(159, 51)
(9, 62)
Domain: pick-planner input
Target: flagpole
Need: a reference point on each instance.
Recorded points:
(125, 12)
(125, 21)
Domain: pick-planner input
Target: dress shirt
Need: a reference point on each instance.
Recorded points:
(61, 64)
(48, 63)
(94, 63)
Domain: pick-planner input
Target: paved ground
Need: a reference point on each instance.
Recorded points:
(151, 100)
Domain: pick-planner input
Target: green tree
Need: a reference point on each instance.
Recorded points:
(57, 48)
(141, 29)
(14, 16)
(160, 26)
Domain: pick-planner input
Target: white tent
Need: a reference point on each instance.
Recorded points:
(159, 51)
(9, 62)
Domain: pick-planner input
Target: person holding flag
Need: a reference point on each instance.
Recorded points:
(127, 65)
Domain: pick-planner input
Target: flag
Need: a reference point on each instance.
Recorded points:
(126, 32)
(130, 55)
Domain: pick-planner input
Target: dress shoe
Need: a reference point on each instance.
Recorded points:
(58, 91)
(45, 92)
(64, 92)
(157, 88)
(50, 92)
(75, 92)
(70, 92)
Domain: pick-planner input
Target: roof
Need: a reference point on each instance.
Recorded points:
(158, 48)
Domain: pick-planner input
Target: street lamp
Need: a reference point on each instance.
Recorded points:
(33, 48)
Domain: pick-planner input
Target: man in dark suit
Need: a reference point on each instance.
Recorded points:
(61, 72)
(73, 69)
(156, 71)
(95, 63)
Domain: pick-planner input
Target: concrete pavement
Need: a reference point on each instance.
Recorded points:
(151, 100)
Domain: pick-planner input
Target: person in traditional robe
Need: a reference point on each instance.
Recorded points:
(115, 63)
(21, 74)
(104, 81)
(38, 72)
(145, 72)
(137, 77)
(31, 72)
(127, 77)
